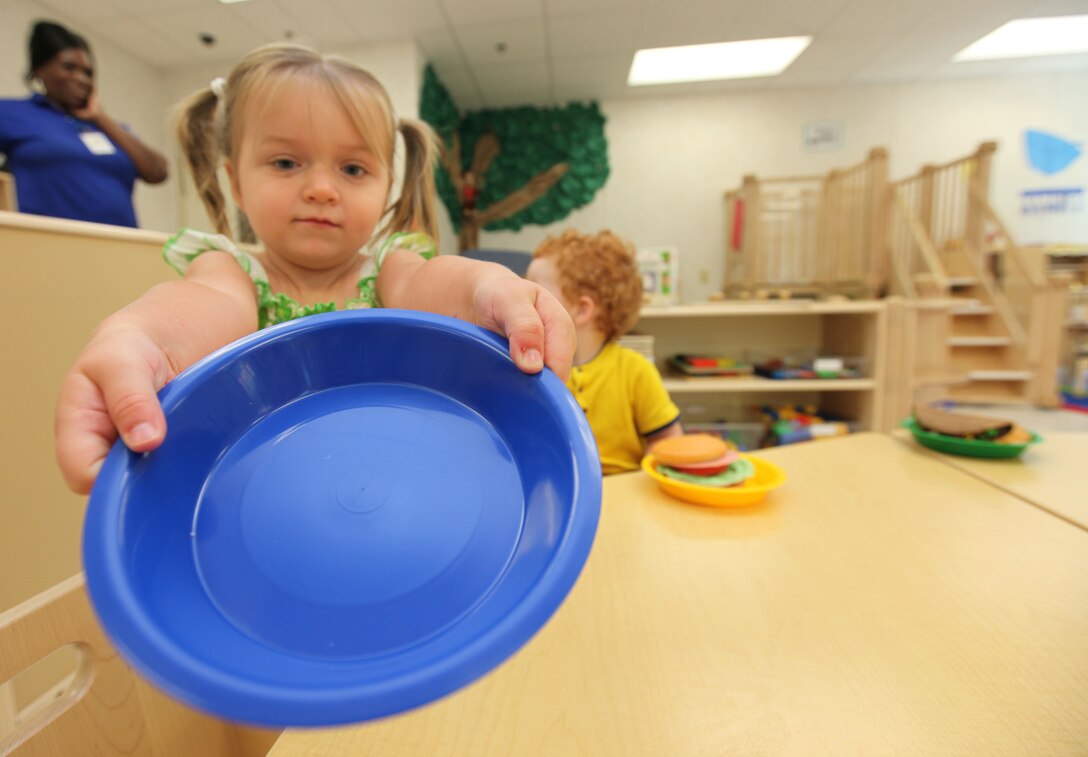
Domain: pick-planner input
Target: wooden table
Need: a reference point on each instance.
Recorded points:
(1052, 475)
(881, 602)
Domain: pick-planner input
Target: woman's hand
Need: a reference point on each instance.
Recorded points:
(150, 165)
(540, 330)
(111, 388)
(91, 111)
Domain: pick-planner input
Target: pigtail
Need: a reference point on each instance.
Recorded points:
(414, 210)
(196, 131)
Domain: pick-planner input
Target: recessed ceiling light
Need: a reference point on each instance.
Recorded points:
(1028, 37)
(721, 60)
(231, 2)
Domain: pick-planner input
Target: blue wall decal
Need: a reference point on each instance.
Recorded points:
(1049, 153)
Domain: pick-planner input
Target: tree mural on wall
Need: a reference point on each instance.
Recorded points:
(503, 169)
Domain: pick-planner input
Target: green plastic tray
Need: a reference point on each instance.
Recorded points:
(954, 445)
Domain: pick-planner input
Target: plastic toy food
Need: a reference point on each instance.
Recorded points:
(701, 460)
(766, 477)
(709, 467)
(689, 449)
(963, 425)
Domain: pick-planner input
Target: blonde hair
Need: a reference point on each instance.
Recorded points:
(602, 267)
(209, 128)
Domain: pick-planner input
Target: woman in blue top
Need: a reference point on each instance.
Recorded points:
(69, 158)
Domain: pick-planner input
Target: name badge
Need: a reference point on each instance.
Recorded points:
(97, 142)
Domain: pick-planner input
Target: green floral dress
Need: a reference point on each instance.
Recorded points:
(272, 308)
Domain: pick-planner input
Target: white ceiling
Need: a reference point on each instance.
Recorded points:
(498, 53)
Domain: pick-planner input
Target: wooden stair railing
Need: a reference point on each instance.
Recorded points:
(809, 235)
(941, 242)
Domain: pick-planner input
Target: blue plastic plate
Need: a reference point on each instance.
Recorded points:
(352, 514)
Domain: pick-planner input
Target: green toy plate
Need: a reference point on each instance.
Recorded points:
(954, 445)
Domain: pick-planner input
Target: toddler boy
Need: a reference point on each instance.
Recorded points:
(597, 280)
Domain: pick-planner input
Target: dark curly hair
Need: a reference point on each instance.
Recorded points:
(602, 267)
(47, 39)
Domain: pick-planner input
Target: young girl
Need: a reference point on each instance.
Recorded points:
(307, 143)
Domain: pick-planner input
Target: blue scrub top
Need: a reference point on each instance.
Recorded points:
(56, 173)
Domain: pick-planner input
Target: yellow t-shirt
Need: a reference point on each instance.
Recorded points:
(624, 400)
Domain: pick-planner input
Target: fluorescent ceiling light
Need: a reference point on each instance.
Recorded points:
(230, 2)
(1027, 37)
(722, 60)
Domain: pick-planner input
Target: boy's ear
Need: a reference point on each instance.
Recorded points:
(585, 310)
(235, 190)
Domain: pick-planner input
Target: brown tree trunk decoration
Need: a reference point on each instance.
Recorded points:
(474, 219)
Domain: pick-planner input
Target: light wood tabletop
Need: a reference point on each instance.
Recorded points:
(1052, 474)
(881, 602)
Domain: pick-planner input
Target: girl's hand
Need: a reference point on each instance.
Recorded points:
(539, 328)
(112, 387)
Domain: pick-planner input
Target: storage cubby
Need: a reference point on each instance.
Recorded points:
(848, 329)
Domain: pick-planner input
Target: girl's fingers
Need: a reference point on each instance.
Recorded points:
(559, 339)
(94, 404)
(133, 405)
(538, 327)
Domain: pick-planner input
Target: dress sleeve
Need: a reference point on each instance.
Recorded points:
(188, 244)
(415, 241)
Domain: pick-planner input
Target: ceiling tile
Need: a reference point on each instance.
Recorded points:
(1058, 8)
(461, 85)
(141, 41)
(831, 58)
(558, 8)
(1043, 64)
(81, 10)
(320, 20)
(861, 16)
(587, 43)
(269, 21)
(512, 75)
(590, 78)
(468, 12)
(591, 34)
(667, 24)
(183, 29)
(441, 49)
(145, 7)
(402, 19)
(523, 41)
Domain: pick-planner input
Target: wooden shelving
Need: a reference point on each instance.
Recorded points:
(848, 329)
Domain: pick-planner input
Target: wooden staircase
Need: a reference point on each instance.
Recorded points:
(980, 347)
(945, 242)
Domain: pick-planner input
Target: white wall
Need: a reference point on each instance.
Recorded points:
(672, 158)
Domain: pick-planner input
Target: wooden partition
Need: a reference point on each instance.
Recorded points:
(60, 279)
(7, 192)
(808, 235)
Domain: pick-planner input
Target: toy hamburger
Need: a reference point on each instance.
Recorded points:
(701, 459)
(975, 427)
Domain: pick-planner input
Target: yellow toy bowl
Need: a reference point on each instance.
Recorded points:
(768, 476)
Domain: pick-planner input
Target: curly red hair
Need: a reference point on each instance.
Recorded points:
(602, 267)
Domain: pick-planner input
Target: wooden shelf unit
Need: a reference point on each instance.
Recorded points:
(848, 329)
